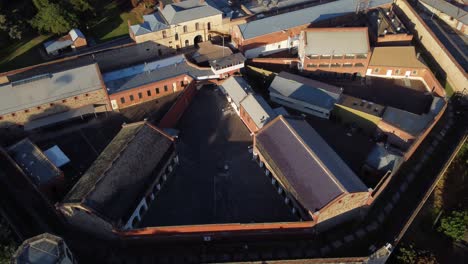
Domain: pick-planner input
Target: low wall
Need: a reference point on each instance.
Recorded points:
(171, 118)
(452, 72)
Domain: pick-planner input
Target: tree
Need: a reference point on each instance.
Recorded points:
(14, 27)
(454, 225)
(52, 18)
(407, 254)
(81, 5)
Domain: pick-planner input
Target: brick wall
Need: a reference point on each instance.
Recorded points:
(171, 118)
(343, 204)
(149, 92)
(395, 135)
(398, 39)
(352, 65)
(80, 42)
(245, 117)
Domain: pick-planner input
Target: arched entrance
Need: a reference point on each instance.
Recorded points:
(197, 40)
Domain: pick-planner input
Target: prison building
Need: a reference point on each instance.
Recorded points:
(37, 97)
(396, 62)
(236, 89)
(117, 189)
(315, 180)
(255, 112)
(36, 165)
(149, 81)
(337, 50)
(386, 29)
(43, 249)
(273, 34)
(304, 94)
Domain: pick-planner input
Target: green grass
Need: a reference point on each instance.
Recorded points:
(114, 23)
(448, 89)
(22, 53)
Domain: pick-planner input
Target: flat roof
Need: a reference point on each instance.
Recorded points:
(336, 41)
(207, 51)
(48, 87)
(305, 89)
(188, 10)
(258, 109)
(33, 162)
(145, 73)
(304, 16)
(309, 167)
(404, 56)
(115, 182)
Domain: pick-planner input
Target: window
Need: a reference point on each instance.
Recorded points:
(347, 64)
(157, 90)
(208, 26)
(324, 65)
(325, 57)
(415, 72)
(279, 46)
(337, 56)
(361, 56)
(197, 26)
(376, 70)
(26, 111)
(165, 88)
(132, 98)
(177, 47)
(176, 36)
(349, 56)
(335, 65)
(397, 71)
(159, 52)
(181, 83)
(187, 43)
(311, 65)
(313, 57)
(148, 93)
(76, 97)
(358, 65)
(51, 104)
(1, 117)
(164, 34)
(209, 36)
(64, 101)
(38, 108)
(86, 95)
(185, 29)
(140, 95)
(122, 100)
(13, 114)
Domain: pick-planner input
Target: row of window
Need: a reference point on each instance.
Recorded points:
(185, 30)
(397, 71)
(148, 93)
(40, 107)
(334, 65)
(347, 56)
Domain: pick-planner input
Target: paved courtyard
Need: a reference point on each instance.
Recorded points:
(201, 191)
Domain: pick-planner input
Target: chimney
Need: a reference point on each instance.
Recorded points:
(161, 5)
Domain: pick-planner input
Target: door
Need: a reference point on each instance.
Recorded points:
(389, 72)
(369, 72)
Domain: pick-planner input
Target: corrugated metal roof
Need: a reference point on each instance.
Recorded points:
(406, 121)
(152, 23)
(121, 174)
(45, 88)
(145, 73)
(345, 41)
(258, 109)
(57, 44)
(188, 10)
(313, 172)
(33, 162)
(306, 90)
(237, 88)
(449, 9)
(302, 17)
(404, 56)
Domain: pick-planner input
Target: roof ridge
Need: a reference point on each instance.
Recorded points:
(314, 156)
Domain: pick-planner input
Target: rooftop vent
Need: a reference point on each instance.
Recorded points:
(32, 79)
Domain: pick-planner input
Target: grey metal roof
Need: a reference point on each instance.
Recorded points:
(60, 117)
(145, 73)
(57, 44)
(449, 9)
(227, 61)
(306, 90)
(152, 23)
(258, 109)
(406, 121)
(116, 181)
(383, 159)
(188, 10)
(33, 162)
(43, 249)
(237, 88)
(41, 89)
(321, 42)
(312, 171)
(302, 17)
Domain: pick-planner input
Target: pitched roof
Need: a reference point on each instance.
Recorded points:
(336, 41)
(258, 109)
(312, 171)
(382, 158)
(404, 56)
(33, 162)
(58, 44)
(305, 89)
(48, 87)
(406, 121)
(152, 23)
(304, 16)
(188, 10)
(449, 9)
(44, 248)
(145, 73)
(76, 33)
(237, 88)
(227, 61)
(114, 183)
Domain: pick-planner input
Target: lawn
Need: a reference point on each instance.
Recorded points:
(22, 53)
(114, 22)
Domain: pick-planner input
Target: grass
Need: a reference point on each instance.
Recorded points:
(114, 22)
(22, 53)
(449, 90)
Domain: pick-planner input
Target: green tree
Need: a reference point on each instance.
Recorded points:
(53, 18)
(81, 5)
(454, 225)
(407, 255)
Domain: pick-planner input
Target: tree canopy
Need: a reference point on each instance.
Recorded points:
(52, 18)
(454, 225)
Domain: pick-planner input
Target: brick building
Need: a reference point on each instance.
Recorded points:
(341, 50)
(304, 94)
(386, 29)
(40, 97)
(281, 32)
(255, 112)
(117, 189)
(178, 25)
(75, 39)
(318, 184)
